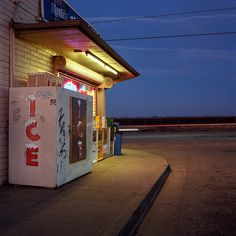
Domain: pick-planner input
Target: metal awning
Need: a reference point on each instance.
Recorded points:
(64, 37)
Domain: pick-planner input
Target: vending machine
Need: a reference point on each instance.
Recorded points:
(104, 135)
(100, 155)
(96, 125)
(50, 136)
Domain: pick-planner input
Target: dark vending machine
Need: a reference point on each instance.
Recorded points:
(111, 135)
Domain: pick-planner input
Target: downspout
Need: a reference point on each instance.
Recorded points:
(12, 57)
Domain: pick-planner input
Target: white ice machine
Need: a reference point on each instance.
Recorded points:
(50, 136)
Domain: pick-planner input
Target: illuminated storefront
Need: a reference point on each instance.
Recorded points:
(81, 87)
(52, 45)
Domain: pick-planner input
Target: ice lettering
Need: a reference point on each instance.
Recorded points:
(32, 105)
(29, 125)
(31, 154)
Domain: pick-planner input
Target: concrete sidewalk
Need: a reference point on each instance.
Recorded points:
(109, 201)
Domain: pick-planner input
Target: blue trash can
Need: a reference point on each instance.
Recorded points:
(118, 143)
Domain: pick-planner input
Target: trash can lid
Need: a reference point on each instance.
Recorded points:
(119, 132)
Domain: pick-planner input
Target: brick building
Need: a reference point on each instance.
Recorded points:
(60, 48)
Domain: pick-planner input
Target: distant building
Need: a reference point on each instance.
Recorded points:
(47, 43)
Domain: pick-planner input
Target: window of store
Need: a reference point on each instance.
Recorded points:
(74, 84)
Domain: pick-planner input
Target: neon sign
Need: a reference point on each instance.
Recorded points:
(70, 85)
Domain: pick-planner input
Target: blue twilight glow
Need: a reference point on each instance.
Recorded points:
(191, 76)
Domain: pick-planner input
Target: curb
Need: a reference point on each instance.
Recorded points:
(138, 215)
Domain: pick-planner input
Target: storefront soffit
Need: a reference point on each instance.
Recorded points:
(65, 37)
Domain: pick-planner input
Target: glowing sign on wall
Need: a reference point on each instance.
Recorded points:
(79, 87)
(70, 85)
(83, 89)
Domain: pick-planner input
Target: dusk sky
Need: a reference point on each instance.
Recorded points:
(192, 76)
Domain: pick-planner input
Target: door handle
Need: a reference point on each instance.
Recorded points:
(72, 129)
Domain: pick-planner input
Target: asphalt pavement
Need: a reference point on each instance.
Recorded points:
(199, 196)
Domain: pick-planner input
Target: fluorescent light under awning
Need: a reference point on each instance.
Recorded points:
(65, 36)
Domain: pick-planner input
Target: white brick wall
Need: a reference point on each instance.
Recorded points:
(26, 11)
(30, 58)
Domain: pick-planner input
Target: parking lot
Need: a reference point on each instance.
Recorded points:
(199, 197)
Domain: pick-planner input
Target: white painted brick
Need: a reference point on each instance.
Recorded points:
(3, 174)
(4, 171)
(4, 148)
(7, 6)
(28, 57)
(4, 117)
(20, 42)
(43, 52)
(20, 75)
(3, 70)
(4, 100)
(4, 19)
(4, 45)
(9, 13)
(3, 91)
(47, 59)
(31, 46)
(22, 48)
(29, 7)
(25, 60)
(20, 82)
(4, 142)
(41, 61)
(3, 106)
(4, 53)
(19, 53)
(4, 34)
(4, 83)
(4, 64)
(19, 63)
(3, 123)
(3, 163)
(3, 78)
(3, 179)
(4, 57)
(2, 155)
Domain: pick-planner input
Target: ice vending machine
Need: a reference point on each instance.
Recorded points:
(50, 136)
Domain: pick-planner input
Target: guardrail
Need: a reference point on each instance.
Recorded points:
(174, 120)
